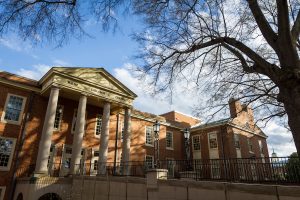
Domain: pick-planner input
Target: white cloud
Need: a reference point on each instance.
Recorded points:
(11, 44)
(280, 139)
(35, 73)
(157, 104)
(58, 62)
(38, 70)
(184, 99)
(15, 43)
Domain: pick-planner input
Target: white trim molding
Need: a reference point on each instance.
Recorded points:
(21, 112)
(7, 168)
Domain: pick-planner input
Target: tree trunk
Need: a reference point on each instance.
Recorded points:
(291, 101)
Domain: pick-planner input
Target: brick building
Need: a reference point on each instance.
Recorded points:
(53, 126)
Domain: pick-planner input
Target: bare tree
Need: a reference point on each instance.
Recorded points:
(243, 48)
(248, 48)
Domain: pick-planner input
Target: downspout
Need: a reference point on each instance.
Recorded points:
(20, 146)
(116, 143)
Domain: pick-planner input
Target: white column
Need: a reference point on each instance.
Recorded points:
(45, 141)
(78, 136)
(104, 140)
(126, 142)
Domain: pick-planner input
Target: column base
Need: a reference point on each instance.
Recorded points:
(40, 174)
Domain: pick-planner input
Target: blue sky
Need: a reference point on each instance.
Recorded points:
(104, 49)
(114, 52)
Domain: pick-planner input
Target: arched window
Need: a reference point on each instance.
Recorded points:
(50, 196)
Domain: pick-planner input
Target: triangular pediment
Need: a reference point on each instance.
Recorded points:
(96, 77)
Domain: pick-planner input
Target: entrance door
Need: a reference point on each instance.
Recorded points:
(66, 160)
(51, 160)
(94, 162)
(82, 166)
(214, 155)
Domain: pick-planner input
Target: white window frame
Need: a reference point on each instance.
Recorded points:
(21, 113)
(235, 135)
(248, 144)
(193, 142)
(7, 168)
(261, 147)
(208, 136)
(152, 133)
(60, 119)
(152, 157)
(172, 141)
(2, 188)
(97, 116)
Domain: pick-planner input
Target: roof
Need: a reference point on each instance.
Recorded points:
(229, 121)
(214, 123)
(18, 79)
(78, 71)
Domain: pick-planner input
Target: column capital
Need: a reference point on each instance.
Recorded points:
(55, 86)
(84, 94)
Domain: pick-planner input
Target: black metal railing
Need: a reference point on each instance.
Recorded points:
(279, 170)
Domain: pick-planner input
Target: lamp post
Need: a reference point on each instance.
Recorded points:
(186, 134)
(156, 128)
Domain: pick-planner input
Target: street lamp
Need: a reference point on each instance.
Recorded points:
(156, 127)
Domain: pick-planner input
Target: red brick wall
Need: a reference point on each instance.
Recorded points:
(184, 119)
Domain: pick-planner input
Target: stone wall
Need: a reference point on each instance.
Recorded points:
(130, 188)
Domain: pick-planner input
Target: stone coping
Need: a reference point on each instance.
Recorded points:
(281, 190)
(157, 170)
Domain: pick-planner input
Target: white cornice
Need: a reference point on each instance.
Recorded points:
(19, 85)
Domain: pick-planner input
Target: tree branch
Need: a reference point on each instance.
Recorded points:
(283, 20)
(263, 24)
(262, 66)
(296, 28)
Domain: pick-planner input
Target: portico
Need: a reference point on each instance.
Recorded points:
(88, 86)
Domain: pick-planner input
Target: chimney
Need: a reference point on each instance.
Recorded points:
(250, 116)
(235, 107)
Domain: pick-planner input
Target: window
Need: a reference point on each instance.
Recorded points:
(13, 110)
(68, 150)
(74, 121)
(96, 153)
(7, 146)
(2, 192)
(149, 136)
(236, 138)
(250, 146)
(261, 149)
(98, 125)
(196, 143)
(169, 140)
(213, 142)
(58, 117)
(149, 162)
